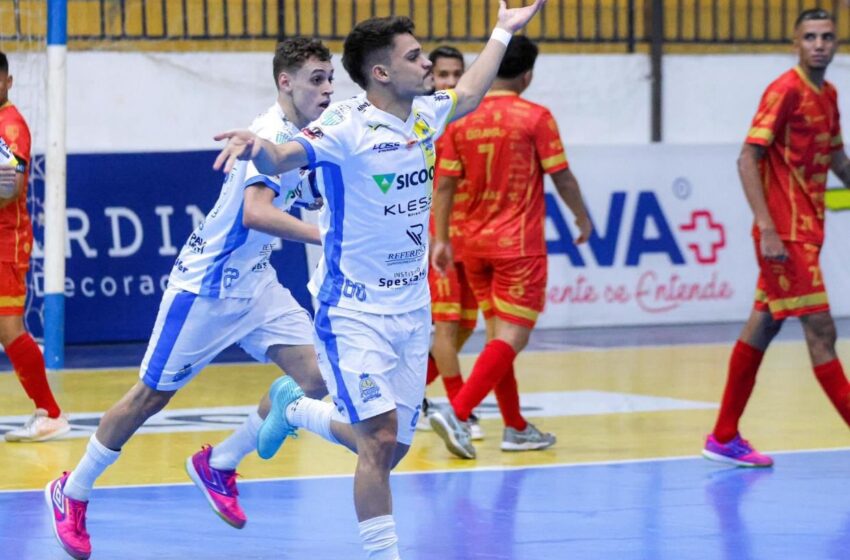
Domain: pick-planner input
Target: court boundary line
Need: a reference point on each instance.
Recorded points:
(493, 468)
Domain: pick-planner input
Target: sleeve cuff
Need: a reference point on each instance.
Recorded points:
(311, 152)
(262, 180)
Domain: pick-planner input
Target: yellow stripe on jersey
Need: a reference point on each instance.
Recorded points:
(451, 165)
(554, 161)
(761, 134)
(836, 141)
(445, 308)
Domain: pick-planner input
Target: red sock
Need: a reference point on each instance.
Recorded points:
(433, 372)
(28, 362)
(834, 383)
(743, 366)
(494, 362)
(507, 395)
(453, 385)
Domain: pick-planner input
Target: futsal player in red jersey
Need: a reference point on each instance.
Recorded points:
(794, 141)
(500, 153)
(453, 306)
(47, 422)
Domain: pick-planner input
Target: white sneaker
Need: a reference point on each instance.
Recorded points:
(423, 424)
(40, 427)
(476, 432)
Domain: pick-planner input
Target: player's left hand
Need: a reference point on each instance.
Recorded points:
(585, 228)
(514, 19)
(241, 144)
(441, 256)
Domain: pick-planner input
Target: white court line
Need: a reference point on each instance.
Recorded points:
(461, 470)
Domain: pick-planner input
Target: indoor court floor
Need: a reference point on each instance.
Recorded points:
(630, 407)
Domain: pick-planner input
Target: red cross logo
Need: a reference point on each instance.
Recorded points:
(709, 236)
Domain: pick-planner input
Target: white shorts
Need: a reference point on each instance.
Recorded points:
(374, 363)
(190, 330)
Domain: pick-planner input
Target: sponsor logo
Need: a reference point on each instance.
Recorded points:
(363, 106)
(442, 96)
(230, 274)
(384, 182)
(415, 418)
(404, 180)
(376, 126)
(369, 390)
(405, 257)
(313, 132)
(402, 279)
(413, 207)
(386, 147)
(414, 232)
(180, 266)
(260, 266)
(59, 498)
(196, 243)
(184, 372)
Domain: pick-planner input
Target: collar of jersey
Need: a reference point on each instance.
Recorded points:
(374, 114)
(501, 93)
(807, 81)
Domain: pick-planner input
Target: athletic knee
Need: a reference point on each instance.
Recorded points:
(149, 401)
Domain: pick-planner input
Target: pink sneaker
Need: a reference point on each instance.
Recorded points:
(68, 519)
(218, 486)
(737, 452)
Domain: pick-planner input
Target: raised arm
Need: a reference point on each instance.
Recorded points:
(269, 158)
(748, 169)
(477, 80)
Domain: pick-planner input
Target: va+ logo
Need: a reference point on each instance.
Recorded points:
(651, 233)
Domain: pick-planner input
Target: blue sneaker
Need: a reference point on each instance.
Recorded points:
(275, 428)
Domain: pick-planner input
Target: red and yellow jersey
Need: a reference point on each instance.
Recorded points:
(447, 161)
(501, 150)
(798, 124)
(15, 226)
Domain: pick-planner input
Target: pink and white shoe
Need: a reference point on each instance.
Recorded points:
(737, 451)
(218, 487)
(68, 518)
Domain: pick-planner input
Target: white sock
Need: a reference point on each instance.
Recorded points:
(312, 415)
(230, 452)
(379, 539)
(91, 466)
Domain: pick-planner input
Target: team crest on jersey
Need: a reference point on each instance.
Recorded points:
(333, 117)
(369, 390)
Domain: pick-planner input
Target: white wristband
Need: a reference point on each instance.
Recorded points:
(501, 35)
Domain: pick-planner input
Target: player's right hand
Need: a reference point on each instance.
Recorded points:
(585, 228)
(241, 144)
(441, 256)
(772, 247)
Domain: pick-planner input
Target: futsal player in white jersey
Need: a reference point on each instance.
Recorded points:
(222, 290)
(375, 159)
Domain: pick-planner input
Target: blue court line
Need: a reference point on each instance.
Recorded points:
(647, 510)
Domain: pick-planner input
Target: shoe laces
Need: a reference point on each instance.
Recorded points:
(78, 515)
(230, 482)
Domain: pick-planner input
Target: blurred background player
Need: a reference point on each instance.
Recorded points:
(222, 290)
(500, 152)
(15, 247)
(794, 141)
(453, 306)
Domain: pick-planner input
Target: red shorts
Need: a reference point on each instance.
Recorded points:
(792, 287)
(452, 300)
(13, 288)
(511, 288)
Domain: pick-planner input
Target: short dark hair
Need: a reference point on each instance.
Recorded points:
(291, 54)
(813, 14)
(446, 51)
(4, 63)
(519, 58)
(366, 39)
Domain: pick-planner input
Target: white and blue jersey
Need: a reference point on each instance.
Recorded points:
(376, 176)
(222, 258)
